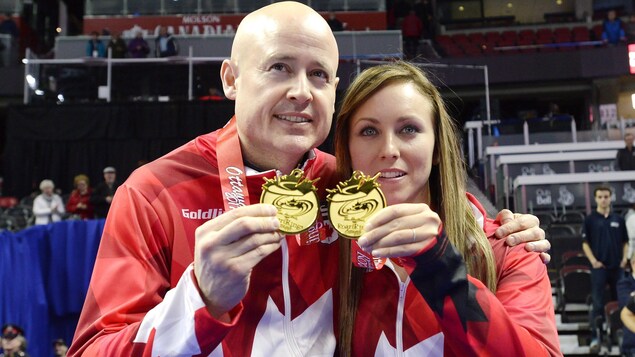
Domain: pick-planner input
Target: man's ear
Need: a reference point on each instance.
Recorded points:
(228, 74)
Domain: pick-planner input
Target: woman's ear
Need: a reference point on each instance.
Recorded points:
(229, 74)
(435, 155)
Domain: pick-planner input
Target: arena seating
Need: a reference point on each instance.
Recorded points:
(543, 39)
(573, 291)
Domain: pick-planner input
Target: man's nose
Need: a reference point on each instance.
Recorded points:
(300, 90)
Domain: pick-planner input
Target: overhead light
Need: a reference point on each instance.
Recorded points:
(60, 97)
(510, 5)
(30, 80)
(461, 8)
(39, 92)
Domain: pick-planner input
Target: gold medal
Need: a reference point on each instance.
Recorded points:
(353, 202)
(295, 198)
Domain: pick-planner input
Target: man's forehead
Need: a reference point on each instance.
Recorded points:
(282, 29)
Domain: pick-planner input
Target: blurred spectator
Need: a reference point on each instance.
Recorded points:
(629, 29)
(104, 192)
(625, 289)
(629, 218)
(334, 23)
(612, 30)
(411, 29)
(79, 202)
(400, 10)
(626, 156)
(59, 348)
(9, 27)
(13, 341)
(423, 9)
(138, 47)
(48, 206)
(605, 243)
(94, 47)
(117, 46)
(213, 94)
(165, 45)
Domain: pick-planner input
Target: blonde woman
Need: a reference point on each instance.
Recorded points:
(448, 289)
(48, 206)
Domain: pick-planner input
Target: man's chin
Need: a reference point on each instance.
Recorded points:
(295, 148)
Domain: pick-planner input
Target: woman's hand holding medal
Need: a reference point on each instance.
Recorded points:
(357, 209)
(400, 230)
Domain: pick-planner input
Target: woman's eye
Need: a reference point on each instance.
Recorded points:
(410, 129)
(368, 131)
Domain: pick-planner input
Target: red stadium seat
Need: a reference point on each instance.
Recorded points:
(575, 257)
(581, 33)
(492, 36)
(460, 38)
(476, 38)
(575, 287)
(544, 35)
(562, 34)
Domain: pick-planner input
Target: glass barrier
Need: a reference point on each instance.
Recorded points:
(10, 6)
(163, 7)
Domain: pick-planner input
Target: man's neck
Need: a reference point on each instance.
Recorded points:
(283, 164)
(604, 211)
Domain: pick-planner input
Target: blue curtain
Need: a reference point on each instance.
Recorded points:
(45, 271)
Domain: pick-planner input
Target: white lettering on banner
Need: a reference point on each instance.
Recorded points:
(200, 214)
(235, 198)
(217, 29)
(200, 19)
(207, 30)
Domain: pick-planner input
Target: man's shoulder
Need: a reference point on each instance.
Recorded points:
(190, 161)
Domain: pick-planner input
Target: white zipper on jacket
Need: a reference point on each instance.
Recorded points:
(403, 286)
(400, 309)
(292, 343)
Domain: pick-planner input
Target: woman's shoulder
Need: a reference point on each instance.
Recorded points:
(513, 258)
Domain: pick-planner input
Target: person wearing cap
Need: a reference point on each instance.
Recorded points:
(104, 192)
(59, 348)
(48, 206)
(13, 341)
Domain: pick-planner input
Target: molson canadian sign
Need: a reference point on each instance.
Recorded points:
(211, 24)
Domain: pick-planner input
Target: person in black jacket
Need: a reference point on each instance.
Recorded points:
(104, 192)
(626, 156)
(165, 45)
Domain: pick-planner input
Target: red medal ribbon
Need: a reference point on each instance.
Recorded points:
(234, 182)
(231, 169)
(365, 260)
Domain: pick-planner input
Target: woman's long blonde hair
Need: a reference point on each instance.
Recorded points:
(446, 185)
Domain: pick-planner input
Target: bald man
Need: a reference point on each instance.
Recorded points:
(190, 263)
